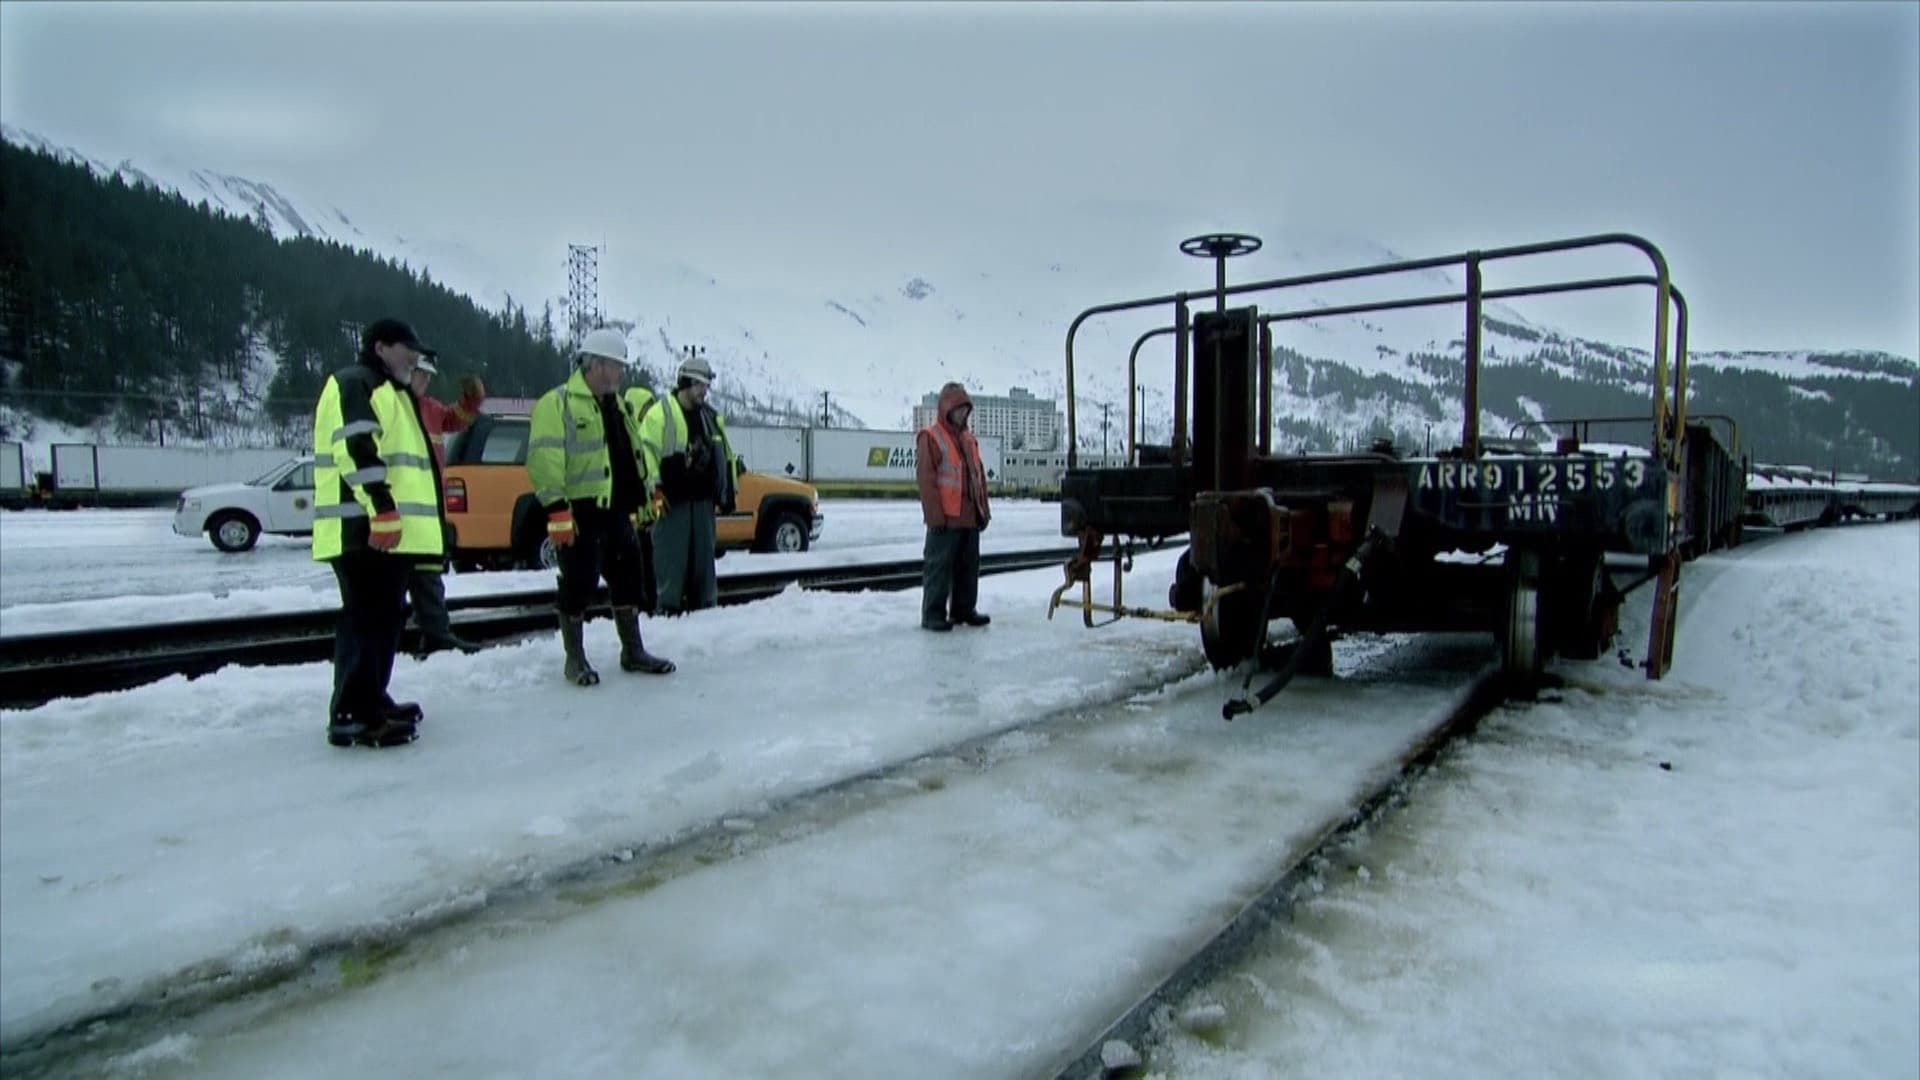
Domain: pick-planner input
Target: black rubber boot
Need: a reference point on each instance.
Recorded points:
(633, 652)
(379, 734)
(572, 632)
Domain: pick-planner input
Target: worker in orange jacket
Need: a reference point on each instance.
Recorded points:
(953, 501)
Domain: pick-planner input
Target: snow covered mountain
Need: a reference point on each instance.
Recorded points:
(876, 335)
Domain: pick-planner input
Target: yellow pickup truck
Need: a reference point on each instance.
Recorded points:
(497, 524)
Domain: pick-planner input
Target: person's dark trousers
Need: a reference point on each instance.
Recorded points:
(604, 544)
(428, 591)
(949, 575)
(649, 589)
(373, 589)
(683, 569)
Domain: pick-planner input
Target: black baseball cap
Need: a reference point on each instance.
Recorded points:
(393, 332)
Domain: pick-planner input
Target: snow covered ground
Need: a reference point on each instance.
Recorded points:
(227, 778)
(87, 568)
(1553, 902)
(1715, 875)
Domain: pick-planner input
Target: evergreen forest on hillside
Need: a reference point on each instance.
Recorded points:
(131, 310)
(128, 305)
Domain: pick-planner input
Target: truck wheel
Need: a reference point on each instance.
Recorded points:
(535, 550)
(789, 533)
(233, 531)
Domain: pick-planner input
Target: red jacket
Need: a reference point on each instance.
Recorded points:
(974, 512)
(440, 421)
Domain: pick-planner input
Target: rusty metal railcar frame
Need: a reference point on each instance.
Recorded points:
(1668, 414)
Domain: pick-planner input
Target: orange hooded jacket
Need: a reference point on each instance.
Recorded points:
(947, 464)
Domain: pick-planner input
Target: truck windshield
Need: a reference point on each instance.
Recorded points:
(270, 475)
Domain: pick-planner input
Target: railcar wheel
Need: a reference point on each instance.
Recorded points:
(1189, 589)
(1228, 627)
(1584, 609)
(1521, 648)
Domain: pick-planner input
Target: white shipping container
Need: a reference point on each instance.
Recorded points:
(779, 451)
(73, 466)
(176, 468)
(13, 467)
(846, 456)
(157, 469)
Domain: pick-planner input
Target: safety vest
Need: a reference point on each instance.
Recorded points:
(639, 401)
(663, 424)
(947, 477)
(567, 446)
(342, 509)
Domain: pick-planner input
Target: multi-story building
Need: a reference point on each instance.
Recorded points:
(1022, 421)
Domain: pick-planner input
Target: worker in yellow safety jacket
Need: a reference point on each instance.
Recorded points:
(591, 475)
(699, 475)
(377, 513)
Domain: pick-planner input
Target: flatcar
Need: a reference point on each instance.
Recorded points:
(1508, 537)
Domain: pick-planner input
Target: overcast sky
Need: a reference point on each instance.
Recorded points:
(1773, 150)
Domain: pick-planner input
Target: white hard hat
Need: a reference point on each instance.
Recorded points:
(697, 369)
(605, 343)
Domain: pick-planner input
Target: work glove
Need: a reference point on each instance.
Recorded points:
(560, 528)
(385, 535)
(472, 393)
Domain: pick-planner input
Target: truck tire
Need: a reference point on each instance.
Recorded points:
(788, 533)
(233, 531)
(535, 551)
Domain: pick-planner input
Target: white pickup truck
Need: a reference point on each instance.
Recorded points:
(234, 515)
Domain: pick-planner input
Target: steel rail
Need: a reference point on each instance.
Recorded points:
(38, 668)
(1274, 903)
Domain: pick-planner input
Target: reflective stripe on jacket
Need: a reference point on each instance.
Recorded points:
(370, 455)
(567, 446)
(664, 428)
(640, 401)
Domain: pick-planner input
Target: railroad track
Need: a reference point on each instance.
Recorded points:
(219, 996)
(37, 668)
(1113, 1053)
(213, 1002)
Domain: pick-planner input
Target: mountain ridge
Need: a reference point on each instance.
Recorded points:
(872, 340)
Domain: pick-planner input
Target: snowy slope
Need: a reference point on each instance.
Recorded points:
(876, 332)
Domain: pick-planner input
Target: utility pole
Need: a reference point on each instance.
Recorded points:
(826, 409)
(1103, 431)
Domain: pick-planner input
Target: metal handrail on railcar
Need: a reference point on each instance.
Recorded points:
(1663, 443)
(1669, 398)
